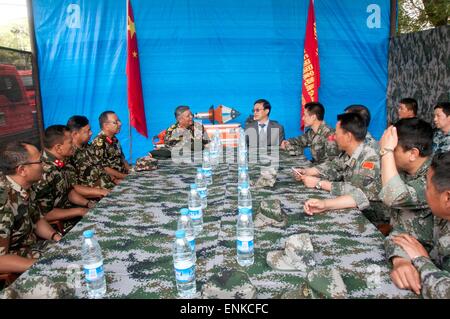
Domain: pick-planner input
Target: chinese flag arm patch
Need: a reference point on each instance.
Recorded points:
(368, 165)
(332, 138)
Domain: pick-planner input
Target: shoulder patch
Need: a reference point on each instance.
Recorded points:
(331, 138)
(99, 142)
(368, 165)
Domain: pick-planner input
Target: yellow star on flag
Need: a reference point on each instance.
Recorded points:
(135, 54)
(131, 27)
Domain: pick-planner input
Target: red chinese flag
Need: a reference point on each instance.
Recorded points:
(311, 70)
(134, 83)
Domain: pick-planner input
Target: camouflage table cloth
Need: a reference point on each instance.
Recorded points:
(136, 223)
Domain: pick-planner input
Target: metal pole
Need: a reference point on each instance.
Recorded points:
(35, 73)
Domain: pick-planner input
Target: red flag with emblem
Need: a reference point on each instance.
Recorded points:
(311, 69)
(134, 83)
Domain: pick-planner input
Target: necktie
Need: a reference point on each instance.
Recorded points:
(262, 136)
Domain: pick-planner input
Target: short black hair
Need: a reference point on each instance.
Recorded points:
(180, 110)
(77, 122)
(265, 103)
(362, 110)
(12, 155)
(353, 123)
(445, 106)
(415, 133)
(316, 108)
(441, 168)
(411, 104)
(104, 117)
(54, 134)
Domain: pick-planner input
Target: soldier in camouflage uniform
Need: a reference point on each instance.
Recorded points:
(55, 195)
(441, 138)
(107, 149)
(185, 131)
(358, 184)
(83, 164)
(407, 147)
(20, 218)
(319, 137)
(433, 266)
(331, 170)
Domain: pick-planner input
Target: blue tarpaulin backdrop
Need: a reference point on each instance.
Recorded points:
(202, 53)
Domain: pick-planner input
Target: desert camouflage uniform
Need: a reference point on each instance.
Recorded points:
(435, 272)
(405, 195)
(322, 143)
(84, 170)
(441, 142)
(52, 191)
(361, 179)
(108, 152)
(175, 135)
(18, 217)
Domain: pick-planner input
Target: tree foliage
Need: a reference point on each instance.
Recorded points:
(418, 15)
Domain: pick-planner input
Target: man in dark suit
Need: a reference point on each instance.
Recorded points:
(262, 132)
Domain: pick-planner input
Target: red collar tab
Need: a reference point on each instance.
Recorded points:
(59, 163)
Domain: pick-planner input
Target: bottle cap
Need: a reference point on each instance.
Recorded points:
(193, 186)
(88, 233)
(184, 211)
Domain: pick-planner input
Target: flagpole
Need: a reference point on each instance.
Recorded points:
(129, 112)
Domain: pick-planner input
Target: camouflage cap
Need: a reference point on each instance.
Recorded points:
(268, 177)
(229, 284)
(39, 288)
(146, 163)
(298, 255)
(270, 213)
(326, 283)
(294, 150)
(319, 284)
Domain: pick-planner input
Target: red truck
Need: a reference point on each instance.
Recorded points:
(16, 118)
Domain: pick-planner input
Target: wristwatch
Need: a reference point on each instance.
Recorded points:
(385, 150)
(319, 184)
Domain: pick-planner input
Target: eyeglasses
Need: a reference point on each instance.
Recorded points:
(30, 163)
(114, 122)
(257, 110)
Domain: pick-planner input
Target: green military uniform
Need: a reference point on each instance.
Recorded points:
(435, 272)
(441, 142)
(84, 170)
(360, 178)
(52, 191)
(322, 143)
(329, 168)
(410, 213)
(19, 214)
(108, 152)
(175, 135)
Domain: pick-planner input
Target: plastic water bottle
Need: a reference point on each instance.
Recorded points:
(242, 144)
(93, 265)
(244, 240)
(184, 265)
(244, 197)
(202, 188)
(195, 209)
(242, 158)
(185, 223)
(214, 149)
(243, 177)
(206, 166)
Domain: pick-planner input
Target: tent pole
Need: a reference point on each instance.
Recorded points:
(393, 17)
(35, 73)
